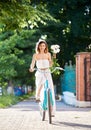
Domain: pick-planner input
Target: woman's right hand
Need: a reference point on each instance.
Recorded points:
(31, 70)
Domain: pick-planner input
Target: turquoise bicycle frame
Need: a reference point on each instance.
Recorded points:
(45, 101)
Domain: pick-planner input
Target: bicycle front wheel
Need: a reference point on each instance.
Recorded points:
(42, 112)
(49, 107)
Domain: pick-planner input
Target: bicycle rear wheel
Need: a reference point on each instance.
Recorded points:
(49, 107)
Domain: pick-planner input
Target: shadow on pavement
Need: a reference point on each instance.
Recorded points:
(75, 125)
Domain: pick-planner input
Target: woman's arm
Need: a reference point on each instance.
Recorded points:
(32, 63)
(50, 59)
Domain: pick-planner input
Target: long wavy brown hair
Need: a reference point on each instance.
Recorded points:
(46, 47)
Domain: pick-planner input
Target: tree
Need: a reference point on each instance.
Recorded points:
(15, 14)
(15, 55)
(18, 20)
(66, 23)
(72, 31)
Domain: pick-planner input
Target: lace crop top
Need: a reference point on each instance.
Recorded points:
(42, 64)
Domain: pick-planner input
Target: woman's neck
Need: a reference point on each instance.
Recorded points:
(42, 52)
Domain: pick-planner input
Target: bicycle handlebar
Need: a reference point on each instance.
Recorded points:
(55, 68)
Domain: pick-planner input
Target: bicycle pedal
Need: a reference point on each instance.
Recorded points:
(52, 115)
(37, 100)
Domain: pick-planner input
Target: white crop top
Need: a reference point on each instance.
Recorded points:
(42, 64)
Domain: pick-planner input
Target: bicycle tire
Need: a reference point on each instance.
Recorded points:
(43, 116)
(42, 113)
(49, 107)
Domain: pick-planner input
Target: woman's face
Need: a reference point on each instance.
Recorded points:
(42, 47)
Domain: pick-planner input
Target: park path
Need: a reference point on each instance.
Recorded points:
(25, 116)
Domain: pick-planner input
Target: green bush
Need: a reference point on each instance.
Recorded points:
(9, 100)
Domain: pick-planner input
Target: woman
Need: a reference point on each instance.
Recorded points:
(42, 60)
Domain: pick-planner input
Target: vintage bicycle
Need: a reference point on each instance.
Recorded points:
(47, 103)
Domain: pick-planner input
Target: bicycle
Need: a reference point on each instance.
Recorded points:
(47, 102)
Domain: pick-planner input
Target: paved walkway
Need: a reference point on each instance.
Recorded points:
(25, 116)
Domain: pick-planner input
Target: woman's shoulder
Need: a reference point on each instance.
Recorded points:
(48, 53)
(35, 55)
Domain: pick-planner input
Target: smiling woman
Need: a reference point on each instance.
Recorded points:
(43, 61)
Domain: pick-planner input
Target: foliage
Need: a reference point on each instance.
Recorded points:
(23, 22)
(8, 58)
(72, 31)
(15, 55)
(55, 50)
(9, 100)
(3, 83)
(15, 15)
(55, 64)
(56, 74)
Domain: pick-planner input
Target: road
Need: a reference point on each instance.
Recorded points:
(25, 116)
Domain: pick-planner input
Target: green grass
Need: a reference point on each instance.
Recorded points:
(9, 100)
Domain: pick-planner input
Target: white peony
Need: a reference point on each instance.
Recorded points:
(55, 48)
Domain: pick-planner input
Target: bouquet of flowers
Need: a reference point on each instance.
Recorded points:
(55, 49)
